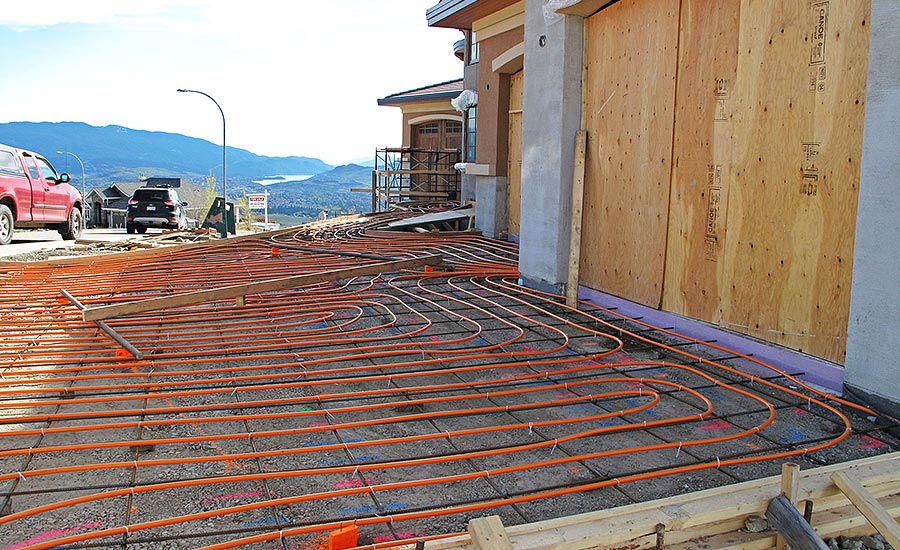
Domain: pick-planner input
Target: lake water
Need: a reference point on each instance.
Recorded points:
(284, 178)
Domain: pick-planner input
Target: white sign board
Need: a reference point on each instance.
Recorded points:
(257, 202)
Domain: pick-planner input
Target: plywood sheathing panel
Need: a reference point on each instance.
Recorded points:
(514, 187)
(630, 54)
(778, 194)
(702, 157)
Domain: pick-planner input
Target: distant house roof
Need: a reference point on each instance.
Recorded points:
(444, 90)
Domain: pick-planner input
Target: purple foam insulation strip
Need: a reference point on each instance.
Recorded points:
(816, 371)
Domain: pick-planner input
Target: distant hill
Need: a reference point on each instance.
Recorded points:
(329, 190)
(116, 153)
(349, 175)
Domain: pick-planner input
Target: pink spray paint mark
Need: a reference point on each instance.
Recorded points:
(235, 496)
(435, 339)
(377, 539)
(800, 412)
(713, 425)
(623, 357)
(871, 443)
(529, 349)
(352, 483)
(53, 534)
(318, 424)
(635, 385)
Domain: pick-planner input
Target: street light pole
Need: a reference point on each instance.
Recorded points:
(82, 169)
(224, 173)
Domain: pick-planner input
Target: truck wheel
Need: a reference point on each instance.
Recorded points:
(129, 228)
(141, 229)
(7, 224)
(71, 229)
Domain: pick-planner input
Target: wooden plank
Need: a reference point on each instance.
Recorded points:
(790, 487)
(229, 292)
(789, 523)
(489, 534)
(870, 507)
(631, 57)
(514, 169)
(700, 514)
(577, 215)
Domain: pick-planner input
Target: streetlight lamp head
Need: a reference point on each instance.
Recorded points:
(60, 153)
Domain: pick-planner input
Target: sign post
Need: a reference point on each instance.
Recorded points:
(260, 201)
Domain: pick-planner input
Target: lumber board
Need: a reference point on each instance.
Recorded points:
(708, 513)
(234, 291)
(488, 533)
(577, 219)
(790, 486)
(869, 507)
(630, 58)
(514, 170)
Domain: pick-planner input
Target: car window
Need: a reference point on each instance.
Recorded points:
(32, 168)
(49, 173)
(151, 195)
(8, 162)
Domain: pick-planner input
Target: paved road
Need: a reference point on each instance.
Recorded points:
(42, 239)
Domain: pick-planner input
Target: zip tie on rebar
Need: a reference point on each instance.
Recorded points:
(42, 431)
(21, 476)
(281, 534)
(355, 471)
(530, 426)
(126, 530)
(718, 463)
(555, 442)
(678, 451)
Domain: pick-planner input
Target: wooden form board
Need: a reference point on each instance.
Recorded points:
(757, 232)
(514, 175)
(630, 55)
(713, 514)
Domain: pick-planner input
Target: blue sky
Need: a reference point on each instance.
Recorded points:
(293, 78)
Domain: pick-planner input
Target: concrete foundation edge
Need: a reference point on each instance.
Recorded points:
(811, 369)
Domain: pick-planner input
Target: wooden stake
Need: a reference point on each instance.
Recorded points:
(577, 215)
(230, 292)
(790, 487)
(489, 534)
(871, 508)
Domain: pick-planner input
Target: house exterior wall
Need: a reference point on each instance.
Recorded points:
(873, 345)
(493, 104)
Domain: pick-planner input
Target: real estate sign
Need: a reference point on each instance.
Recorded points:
(258, 201)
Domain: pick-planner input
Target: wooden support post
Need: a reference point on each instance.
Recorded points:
(489, 534)
(577, 215)
(790, 486)
(374, 191)
(871, 508)
(785, 518)
(272, 285)
(240, 301)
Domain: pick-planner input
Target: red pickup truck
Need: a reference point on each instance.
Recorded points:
(33, 195)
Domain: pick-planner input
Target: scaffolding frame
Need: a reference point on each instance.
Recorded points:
(411, 174)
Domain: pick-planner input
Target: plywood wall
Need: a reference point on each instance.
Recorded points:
(766, 145)
(514, 187)
(702, 172)
(631, 55)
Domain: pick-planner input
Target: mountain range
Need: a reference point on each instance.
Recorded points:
(117, 154)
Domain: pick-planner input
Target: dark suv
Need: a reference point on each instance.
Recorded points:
(155, 207)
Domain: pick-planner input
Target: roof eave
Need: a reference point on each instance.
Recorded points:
(459, 14)
(437, 96)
